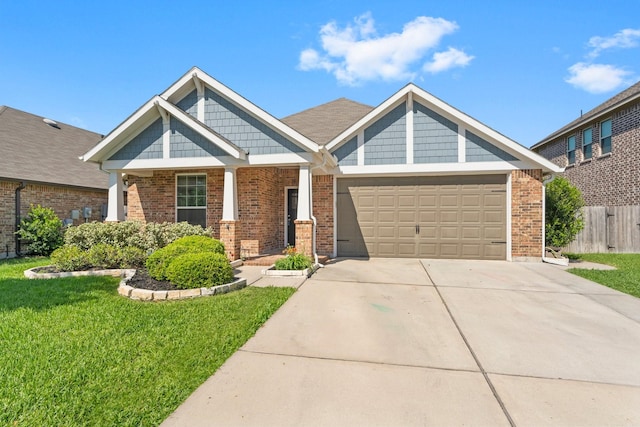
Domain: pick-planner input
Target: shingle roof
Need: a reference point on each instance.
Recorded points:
(32, 150)
(324, 122)
(613, 102)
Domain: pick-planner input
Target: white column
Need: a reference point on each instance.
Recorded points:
(115, 210)
(462, 144)
(304, 193)
(230, 202)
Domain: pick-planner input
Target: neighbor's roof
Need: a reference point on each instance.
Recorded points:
(322, 123)
(32, 150)
(606, 107)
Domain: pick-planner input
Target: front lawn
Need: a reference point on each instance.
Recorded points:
(625, 279)
(74, 352)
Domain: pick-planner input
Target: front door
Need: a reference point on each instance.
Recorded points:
(292, 214)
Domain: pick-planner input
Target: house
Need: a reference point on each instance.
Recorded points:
(598, 152)
(412, 177)
(40, 164)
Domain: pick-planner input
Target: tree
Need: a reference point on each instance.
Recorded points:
(563, 213)
(42, 229)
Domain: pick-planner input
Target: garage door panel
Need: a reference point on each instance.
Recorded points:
(431, 217)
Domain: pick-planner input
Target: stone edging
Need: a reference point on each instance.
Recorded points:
(142, 294)
(272, 272)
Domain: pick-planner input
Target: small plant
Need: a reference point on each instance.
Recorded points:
(42, 229)
(293, 260)
(197, 270)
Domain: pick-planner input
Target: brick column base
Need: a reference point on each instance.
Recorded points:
(304, 237)
(230, 235)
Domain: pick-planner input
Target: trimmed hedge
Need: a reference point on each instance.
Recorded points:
(199, 270)
(158, 262)
(101, 255)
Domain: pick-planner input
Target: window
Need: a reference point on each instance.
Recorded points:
(191, 199)
(571, 149)
(587, 138)
(605, 137)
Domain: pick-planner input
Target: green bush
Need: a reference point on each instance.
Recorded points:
(70, 258)
(563, 213)
(148, 237)
(294, 261)
(159, 261)
(103, 255)
(42, 230)
(160, 235)
(199, 270)
(132, 257)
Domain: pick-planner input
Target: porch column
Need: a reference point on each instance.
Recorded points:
(304, 224)
(230, 230)
(115, 210)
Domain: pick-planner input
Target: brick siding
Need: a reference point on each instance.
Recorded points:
(609, 180)
(61, 199)
(526, 214)
(261, 200)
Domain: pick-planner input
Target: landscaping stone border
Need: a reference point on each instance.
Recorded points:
(272, 272)
(142, 294)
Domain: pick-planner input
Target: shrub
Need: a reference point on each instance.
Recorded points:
(42, 229)
(103, 255)
(160, 260)
(148, 237)
(563, 212)
(196, 270)
(69, 258)
(120, 234)
(157, 236)
(132, 257)
(295, 261)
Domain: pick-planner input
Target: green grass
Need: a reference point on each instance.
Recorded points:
(625, 279)
(74, 352)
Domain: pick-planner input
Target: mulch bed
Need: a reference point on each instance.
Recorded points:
(142, 280)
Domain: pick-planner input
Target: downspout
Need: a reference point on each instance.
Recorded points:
(17, 211)
(313, 218)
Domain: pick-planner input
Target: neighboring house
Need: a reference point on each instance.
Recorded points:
(40, 164)
(412, 177)
(599, 153)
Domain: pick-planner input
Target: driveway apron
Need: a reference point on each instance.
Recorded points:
(385, 342)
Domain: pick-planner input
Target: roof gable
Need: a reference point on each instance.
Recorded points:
(506, 149)
(228, 119)
(26, 140)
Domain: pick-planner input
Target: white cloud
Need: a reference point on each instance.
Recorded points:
(448, 59)
(596, 78)
(623, 39)
(356, 53)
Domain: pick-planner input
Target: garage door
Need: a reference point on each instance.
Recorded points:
(428, 217)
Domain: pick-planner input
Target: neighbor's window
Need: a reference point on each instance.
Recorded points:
(191, 199)
(571, 149)
(587, 138)
(605, 137)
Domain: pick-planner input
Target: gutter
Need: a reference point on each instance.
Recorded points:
(21, 187)
(313, 218)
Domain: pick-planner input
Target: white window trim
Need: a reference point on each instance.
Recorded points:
(600, 138)
(206, 199)
(583, 144)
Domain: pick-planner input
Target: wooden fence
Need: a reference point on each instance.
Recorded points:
(608, 229)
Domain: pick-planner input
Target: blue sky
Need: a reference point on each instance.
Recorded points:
(524, 68)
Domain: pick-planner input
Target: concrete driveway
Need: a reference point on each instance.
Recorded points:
(433, 343)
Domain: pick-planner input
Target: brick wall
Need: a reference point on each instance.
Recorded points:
(526, 214)
(323, 211)
(61, 199)
(153, 199)
(609, 180)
